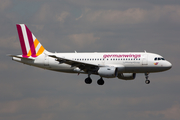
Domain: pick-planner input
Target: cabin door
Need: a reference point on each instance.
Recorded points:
(145, 59)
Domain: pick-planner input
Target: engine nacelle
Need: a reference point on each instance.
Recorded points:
(127, 76)
(108, 72)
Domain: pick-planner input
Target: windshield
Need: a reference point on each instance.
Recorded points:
(158, 58)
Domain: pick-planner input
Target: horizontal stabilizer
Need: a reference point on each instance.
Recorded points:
(17, 56)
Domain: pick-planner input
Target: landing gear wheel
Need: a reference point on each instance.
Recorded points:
(147, 81)
(100, 81)
(147, 76)
(88, 80)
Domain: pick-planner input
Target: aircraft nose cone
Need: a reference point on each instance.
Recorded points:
(168, 65)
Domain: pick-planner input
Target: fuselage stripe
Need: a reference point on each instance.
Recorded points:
(41, 50)
(36, 42)
(21, 38)
(25, 37)
(31, 43)
(38, 47)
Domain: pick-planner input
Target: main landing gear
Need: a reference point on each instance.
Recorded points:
(146, 76)
(100, 81)
(88, 80)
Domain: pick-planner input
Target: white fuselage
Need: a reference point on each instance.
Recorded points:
(132, 62)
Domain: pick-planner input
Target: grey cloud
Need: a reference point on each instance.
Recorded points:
(4, 4)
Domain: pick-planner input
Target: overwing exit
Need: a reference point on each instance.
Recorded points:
(121, 65)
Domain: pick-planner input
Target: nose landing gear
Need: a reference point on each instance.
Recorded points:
(146, 76)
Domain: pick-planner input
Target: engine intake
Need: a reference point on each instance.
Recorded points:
(108, 72)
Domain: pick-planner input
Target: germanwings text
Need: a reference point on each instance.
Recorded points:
(121, 55)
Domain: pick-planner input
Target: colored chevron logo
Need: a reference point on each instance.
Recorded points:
(156, 63)
(29, 44)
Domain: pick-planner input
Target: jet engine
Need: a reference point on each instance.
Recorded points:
(108, 72)
(127, 76)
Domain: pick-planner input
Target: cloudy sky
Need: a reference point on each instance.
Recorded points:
(28, 93)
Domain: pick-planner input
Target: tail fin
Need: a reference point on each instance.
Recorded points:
(29, 44)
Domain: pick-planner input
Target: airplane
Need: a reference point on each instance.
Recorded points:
(121, 65)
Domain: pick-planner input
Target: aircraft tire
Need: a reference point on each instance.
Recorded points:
(88, 80)
(100, 81)
(147, 81)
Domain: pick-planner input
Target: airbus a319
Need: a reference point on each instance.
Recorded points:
(123, 65)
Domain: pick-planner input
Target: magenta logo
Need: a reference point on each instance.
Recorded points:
(121, 55)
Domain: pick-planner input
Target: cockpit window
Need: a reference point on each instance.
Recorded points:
(158, 59)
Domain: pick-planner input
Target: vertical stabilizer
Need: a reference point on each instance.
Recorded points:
(29, 44)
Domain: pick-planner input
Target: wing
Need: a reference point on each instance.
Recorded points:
(85, 66)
